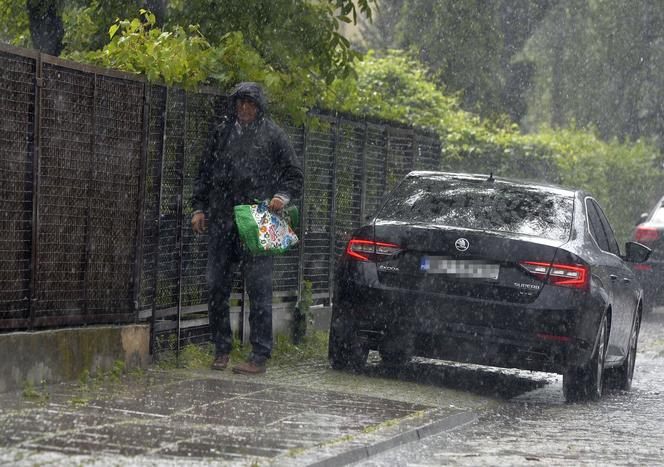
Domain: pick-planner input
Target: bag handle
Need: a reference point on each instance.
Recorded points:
(291, 213)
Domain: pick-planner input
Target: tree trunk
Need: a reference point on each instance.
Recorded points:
(158, 7)
(519, 18)
(46, 26)
(558, 72)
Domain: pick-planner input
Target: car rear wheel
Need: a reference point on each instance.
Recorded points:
(586, 382)
(395, 352)
(621, 377)
(346, 349)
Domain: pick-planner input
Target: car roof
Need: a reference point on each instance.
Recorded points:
(565, 191)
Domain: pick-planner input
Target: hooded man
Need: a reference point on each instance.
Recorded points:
(247, 158)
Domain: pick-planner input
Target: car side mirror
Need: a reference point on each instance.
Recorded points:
(636, 253)
(642, 218)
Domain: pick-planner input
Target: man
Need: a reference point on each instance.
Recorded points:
(247, 159)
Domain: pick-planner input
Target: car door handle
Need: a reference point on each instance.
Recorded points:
(626, 280)
(613, 277)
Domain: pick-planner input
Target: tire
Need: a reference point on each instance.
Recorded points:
(585, 383)
(621, 377)
(346, 350)
(395, 358)
(395, 352)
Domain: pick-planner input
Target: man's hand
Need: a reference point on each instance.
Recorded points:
(276, 205)
(198, 222)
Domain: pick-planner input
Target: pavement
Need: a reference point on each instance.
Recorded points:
(298, 413)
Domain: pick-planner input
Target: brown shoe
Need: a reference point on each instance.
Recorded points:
(221, 362)
(249, 368)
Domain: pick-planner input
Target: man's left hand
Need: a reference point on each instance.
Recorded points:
(276, 205)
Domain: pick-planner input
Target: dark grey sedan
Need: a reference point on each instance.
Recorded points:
(492, 271)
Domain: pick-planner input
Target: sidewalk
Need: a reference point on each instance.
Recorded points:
(296, 414)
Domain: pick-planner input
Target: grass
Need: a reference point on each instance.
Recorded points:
(313, 347)
(200, 356)
(34, 393)
(102, 383)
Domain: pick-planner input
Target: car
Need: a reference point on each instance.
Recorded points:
(491, 271)
(650, 232)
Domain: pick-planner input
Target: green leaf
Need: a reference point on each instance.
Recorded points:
(113, 29)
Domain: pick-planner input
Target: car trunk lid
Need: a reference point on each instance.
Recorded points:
(466, 262)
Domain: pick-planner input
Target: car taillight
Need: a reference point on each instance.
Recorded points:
(566, 275)
(368, 250)
(646, 234)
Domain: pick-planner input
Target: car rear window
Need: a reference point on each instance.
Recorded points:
(482, 205)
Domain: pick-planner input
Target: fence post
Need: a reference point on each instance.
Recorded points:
(160, 162)
(243, 322)
(142, 177)
(414, 162)
(386, 132)
(36, 156)
(333, 208)
(303, 214)
(363, 165)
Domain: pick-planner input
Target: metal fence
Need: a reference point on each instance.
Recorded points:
(96, 174)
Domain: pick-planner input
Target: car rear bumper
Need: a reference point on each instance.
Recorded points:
(534, 336)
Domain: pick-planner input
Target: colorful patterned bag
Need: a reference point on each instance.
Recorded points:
(264, 232)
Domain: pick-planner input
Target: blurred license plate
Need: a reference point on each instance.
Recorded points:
(460, 268)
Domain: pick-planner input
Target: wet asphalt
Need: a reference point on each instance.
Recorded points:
(539, 428)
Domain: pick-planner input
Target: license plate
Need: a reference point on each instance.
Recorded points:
(459, 268)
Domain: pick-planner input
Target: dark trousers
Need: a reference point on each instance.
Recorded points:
(224, 253)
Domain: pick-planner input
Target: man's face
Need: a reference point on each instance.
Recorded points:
(247, 110)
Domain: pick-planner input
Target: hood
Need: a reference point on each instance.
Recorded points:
(251, 91)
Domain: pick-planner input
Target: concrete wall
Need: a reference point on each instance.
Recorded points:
(63, 354)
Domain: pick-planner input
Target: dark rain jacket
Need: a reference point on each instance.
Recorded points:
(241, 165)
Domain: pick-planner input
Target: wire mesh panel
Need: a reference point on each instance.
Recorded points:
(168, 274)
(318, 203)
(376, 151)
(67, 133)
(285, 278)
(348, 191)
(200, 120)
(427, 151)
(171, 186)
(156, 124)
(113, 196)
(17, 77)
(400, 155)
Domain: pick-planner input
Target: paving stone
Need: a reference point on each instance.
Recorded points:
(213, 417)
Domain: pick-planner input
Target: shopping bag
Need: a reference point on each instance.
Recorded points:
(264, 232)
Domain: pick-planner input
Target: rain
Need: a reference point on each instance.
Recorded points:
(331, 232)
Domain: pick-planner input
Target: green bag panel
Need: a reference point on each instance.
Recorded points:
(263, 232)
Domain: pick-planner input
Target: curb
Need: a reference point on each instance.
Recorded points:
(365, 452)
